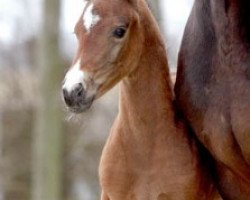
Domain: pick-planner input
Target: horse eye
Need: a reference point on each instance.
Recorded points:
(119, 32)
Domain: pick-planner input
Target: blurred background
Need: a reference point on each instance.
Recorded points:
(45, 153)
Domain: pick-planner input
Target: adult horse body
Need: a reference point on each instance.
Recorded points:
(213, 88)
(149, 154)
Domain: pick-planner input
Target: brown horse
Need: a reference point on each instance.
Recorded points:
(149, 154)
(213, 88)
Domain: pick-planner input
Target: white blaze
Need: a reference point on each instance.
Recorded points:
(90, 19)
(73, 77)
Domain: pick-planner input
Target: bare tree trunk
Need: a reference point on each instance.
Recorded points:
(48, 134)
(1, 159)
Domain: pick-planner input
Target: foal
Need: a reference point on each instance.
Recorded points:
(148, 155)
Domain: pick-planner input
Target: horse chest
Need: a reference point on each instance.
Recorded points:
(123, 177)
(127, 185)
(120, 182)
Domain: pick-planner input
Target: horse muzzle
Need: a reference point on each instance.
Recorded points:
(77, 99)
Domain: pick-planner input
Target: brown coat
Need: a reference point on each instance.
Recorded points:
(213, 88)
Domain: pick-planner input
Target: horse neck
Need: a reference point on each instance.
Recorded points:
(146, 98)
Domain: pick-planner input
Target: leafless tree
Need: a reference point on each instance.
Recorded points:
(48, 134)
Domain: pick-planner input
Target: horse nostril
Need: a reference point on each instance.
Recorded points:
(79, 91)
(67, 97)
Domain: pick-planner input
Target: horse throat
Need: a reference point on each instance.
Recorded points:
(146, 97)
